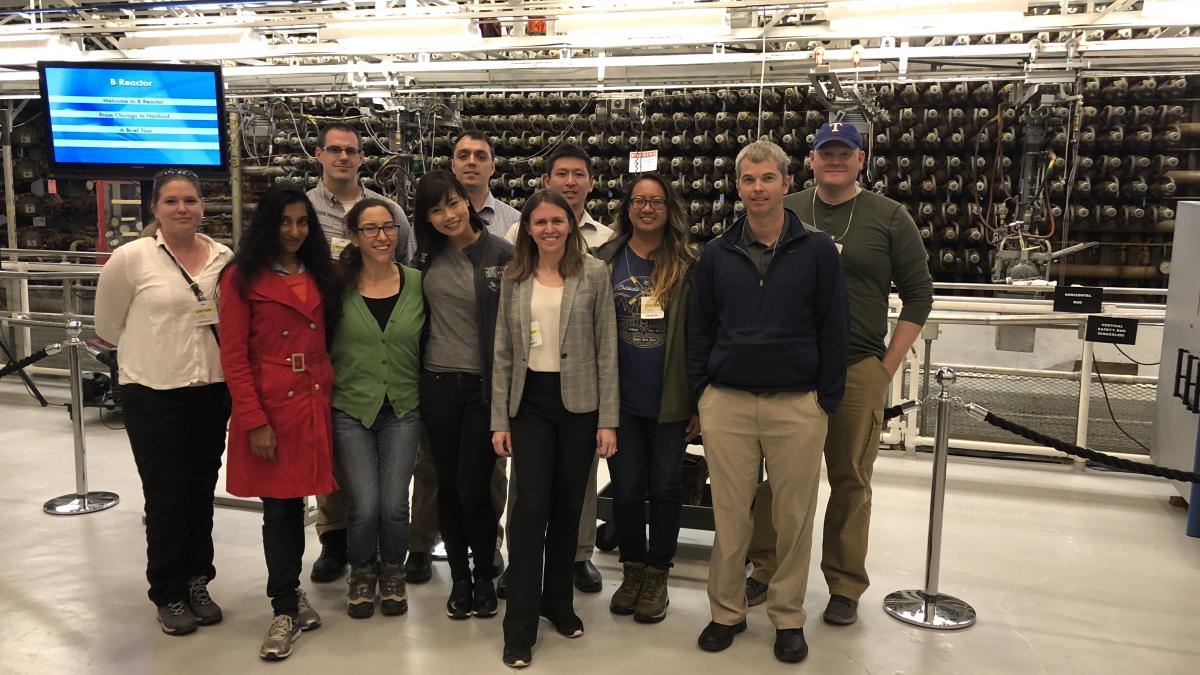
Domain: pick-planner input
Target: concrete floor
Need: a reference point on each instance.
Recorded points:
(1069, 573)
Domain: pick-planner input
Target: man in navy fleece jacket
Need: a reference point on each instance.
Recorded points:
(767, 342)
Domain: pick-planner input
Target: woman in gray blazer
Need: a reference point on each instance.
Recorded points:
(554, 404)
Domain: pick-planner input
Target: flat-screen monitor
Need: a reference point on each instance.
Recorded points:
(131, 120)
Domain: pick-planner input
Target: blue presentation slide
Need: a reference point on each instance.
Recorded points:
(135, 117)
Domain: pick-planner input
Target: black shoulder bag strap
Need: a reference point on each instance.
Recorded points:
(194, 286)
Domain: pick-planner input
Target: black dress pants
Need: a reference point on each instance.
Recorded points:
(457, 420)
(553, 450)
(177, 437)
(283, 544)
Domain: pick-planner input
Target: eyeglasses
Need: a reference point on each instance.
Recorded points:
(168, 174)
(371, 231)
(656, 203)
(337, 150)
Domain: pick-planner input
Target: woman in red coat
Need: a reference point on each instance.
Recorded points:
(277, 300)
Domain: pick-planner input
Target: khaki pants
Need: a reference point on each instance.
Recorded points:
(423, 523)
(788, 430)
(331, 512)
(587, 520)
(850, 451)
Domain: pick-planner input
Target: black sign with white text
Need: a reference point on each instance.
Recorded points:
(1112, 330)
(1078, 299)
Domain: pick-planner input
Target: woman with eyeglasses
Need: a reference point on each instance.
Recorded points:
(462, 265)
(650, 262)
(277, 301)
(155, 302)
(554, 408)
(376, 422)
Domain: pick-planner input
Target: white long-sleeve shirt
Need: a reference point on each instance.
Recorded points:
(145, 307)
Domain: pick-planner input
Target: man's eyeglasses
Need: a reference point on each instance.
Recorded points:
(656, 203)
(337, 150)
(372, 231)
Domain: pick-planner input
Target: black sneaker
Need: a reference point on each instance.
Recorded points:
(204, 608)
(462, 598)
(570, 626)
(517, 657)
(332, 563)
(717, 637)
(756, 592)
(841, 611)
(790, 646)
(418, 569)
(483, 603)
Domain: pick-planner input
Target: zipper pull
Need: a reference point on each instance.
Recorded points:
(760, 282)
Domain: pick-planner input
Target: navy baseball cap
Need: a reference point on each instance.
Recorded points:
(842, 132)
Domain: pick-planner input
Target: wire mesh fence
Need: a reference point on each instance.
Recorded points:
(1048, 401)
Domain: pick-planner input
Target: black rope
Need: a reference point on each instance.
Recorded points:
(1100, 458)
(27, 361)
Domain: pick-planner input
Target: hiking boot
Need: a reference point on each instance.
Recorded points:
(418, 568)
(483, 601)
(308, 617)
(176, 619)
(461, 601)
(282, 634)
(756, 592)
(841, 611)
(201, 603)
(331, 565)
(625, 600)
(652, 601)
(360, 594)
(393, 597)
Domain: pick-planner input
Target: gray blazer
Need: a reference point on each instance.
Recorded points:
(587, 332)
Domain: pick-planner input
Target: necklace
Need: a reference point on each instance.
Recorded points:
(849, 223)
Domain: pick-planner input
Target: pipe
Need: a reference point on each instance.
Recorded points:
(1085, 397)
(1184, 177)
(268, 171)
(1137, 272)
(235, 174)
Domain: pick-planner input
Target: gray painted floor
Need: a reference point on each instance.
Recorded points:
(1070, 573)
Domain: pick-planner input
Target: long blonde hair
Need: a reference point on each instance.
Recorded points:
(525, 251)
(673, 259)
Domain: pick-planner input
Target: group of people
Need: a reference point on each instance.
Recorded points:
(351, 355)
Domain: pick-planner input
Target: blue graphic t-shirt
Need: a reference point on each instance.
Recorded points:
(642, 343)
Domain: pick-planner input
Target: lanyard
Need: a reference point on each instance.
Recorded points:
(632, 278)
(192, 285)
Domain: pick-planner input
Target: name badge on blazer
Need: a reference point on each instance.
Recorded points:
(535, 334)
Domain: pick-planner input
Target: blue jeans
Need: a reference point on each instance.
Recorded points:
(648, 464)
(374, 467)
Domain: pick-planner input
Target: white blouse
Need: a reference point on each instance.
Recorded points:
(544, 307)
(145, 307)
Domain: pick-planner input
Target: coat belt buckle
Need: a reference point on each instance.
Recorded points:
(297, 360)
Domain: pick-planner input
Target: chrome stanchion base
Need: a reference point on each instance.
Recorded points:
(941, 612)
(70, 505)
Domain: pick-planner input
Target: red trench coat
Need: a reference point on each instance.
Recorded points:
(278, 372)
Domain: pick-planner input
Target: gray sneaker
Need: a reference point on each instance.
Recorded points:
(206, 611)
(361, 591)
(841, 611)
(176, 619)
(756, 592)
(282, 634)
(309, 619)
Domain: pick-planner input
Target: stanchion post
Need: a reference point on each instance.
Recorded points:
(82, 501)
(929, 608)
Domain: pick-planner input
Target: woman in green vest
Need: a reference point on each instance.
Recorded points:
(376, 422)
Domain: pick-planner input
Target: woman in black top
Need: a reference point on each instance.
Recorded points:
(462, 265)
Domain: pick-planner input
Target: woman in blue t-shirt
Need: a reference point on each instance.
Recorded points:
(650, 260)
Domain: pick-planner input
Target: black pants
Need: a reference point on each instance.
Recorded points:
(458, 422)
(283, 544)
(177, 437)
(552, 458)
(649, 465)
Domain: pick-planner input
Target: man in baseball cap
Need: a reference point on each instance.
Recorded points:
(880, 246)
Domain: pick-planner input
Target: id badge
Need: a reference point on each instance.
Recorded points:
(839, 247)
(337, 245)
(652, 309)
(535, 334)
(205, 314)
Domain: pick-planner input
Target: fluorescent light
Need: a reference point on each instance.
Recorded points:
(22, 52)
(667, 23)
(1179, 11)
(183, 36)
(405, 35)
(891, 17)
